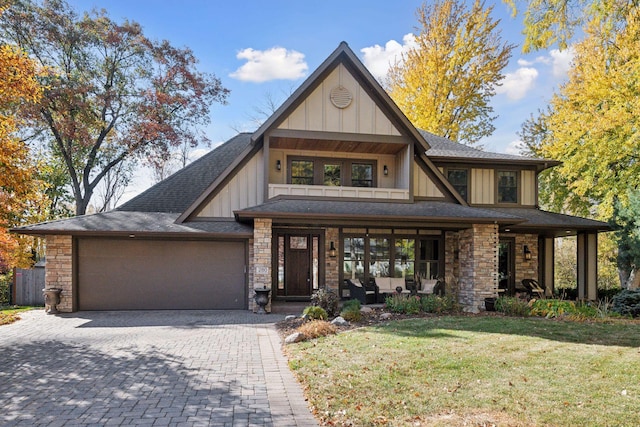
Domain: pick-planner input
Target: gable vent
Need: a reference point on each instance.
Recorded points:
(340, 97)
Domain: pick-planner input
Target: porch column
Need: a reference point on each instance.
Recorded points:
(587, 259)
(332, 266)
(546, 275)
(58, 272)
(261, 260)
(478, 265)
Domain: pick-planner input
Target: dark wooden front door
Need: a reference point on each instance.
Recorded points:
(298, 265)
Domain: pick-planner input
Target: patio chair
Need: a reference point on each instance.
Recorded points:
(365, 295)
(438, 289)
(533, 288)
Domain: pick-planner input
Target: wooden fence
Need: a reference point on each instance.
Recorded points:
(28, 286)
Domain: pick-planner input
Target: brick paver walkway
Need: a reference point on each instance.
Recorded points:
(155, 368)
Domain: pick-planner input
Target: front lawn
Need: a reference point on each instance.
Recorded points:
(11, 314)
(474, 370)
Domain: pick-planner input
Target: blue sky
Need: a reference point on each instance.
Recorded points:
(241, 42)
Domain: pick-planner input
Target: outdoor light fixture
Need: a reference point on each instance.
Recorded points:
(332, 250)
(278, 165)
(385, 170)
(527, 253)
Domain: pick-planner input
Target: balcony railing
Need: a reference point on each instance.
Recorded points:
(346, 192)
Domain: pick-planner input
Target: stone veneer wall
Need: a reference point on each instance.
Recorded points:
(332, 271)
(526, 269)
(59, 270)
(478, 260)
(261, 258)
(451, 264)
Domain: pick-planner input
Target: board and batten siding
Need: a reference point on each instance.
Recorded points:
(482, 186)
(317, 113)
(528, 178)
(423, 186)
(245, 189)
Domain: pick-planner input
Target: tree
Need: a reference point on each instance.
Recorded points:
(115, 96)
(18, 188)
(592, 126)
(548, 22)
(444, 83)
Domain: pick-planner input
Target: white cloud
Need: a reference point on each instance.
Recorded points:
(514, 147)
(276, 63)
(561, 61)
(516, 85)
(379, 59)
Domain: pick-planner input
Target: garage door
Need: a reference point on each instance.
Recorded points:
(128, 274)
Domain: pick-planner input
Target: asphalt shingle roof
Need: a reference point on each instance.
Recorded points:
(443, 147)
(176, 193)
(350, 209)
(122, 222)
(538, 218)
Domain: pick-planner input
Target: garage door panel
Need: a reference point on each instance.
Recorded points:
(126, 274)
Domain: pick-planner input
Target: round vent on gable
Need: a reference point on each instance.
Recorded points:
(340, 97)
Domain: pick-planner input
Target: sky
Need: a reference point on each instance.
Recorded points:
(265, 49)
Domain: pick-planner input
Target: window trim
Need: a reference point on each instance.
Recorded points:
(518, 186)
(345, 165)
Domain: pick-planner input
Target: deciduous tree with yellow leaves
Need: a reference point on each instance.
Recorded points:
(593, 125)
(444, 84)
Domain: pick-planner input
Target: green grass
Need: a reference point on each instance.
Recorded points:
(11, 314)
(467, 370)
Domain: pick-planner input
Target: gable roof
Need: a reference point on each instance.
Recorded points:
(343, 54)
(179, 191)
(443, 149)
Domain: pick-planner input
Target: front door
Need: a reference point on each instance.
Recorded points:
(506, 265)
(297, 273)
(297, 268)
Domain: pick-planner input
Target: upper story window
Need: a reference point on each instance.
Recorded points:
(302, 172)
(362, 175)
(507, 187)
(459, 179)
(332, 172)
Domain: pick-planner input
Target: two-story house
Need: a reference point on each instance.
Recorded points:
(337, 184)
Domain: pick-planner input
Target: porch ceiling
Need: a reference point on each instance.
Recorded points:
(340, 146)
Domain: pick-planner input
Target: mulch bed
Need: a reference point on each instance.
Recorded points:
(287, 327)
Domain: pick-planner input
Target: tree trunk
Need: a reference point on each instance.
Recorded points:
(629, 279)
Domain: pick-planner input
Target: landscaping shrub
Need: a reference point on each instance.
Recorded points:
(399, 303)
(608, 294)
(5, 282)
(317, 328)
(627, 303)
(437, 304)
(326, 299)
(351, 311)
(512, 306)
(315, 313)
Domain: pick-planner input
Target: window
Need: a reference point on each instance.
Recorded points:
(332, 175)
(458, 179)
(507, 187)
(362, 175)
(405, 258)
(380, 257)
(302, 172)
(332, 172)
(428, 263)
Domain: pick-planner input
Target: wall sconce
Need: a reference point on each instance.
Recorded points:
(278, 165)
(385, 170)
(456, 254)
(333, 252)
(527, 253)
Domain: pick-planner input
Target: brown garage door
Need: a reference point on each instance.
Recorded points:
(128, 274)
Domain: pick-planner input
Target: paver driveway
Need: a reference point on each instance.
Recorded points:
(147, 368)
